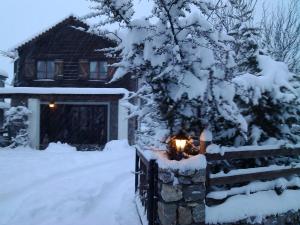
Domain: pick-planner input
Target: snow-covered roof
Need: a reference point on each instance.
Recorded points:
(70, 19)
(62, 91)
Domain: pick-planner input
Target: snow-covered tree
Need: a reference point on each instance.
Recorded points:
(182, 61)
(16, 121)
(270, 102)
(267, 95)
(259, 103)
(236, 17)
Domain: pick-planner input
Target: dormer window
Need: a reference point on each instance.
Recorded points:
(98, 70)
(45, 70)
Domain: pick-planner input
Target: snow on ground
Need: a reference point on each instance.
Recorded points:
(258, 205)
(66, 187)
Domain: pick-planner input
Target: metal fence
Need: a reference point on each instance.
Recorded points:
(146, 186)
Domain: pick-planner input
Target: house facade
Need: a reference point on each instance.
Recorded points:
(62, 76)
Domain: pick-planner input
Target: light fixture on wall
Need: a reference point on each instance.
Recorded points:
(52, 105)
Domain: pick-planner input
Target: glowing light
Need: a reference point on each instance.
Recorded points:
(180, 144)
(52, 105)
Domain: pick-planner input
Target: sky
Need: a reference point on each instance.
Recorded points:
(22, 19)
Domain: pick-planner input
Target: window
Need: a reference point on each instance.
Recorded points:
(45, 70)
(98, 70)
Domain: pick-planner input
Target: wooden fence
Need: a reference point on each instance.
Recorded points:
(235, 181)
(238, 176)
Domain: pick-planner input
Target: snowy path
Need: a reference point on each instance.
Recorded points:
(65, 187)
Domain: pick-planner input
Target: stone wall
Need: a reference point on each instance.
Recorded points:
(181, 197)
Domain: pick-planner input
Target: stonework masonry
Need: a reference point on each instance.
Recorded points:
(181, 197)
(181, 201)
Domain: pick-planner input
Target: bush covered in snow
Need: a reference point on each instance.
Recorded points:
(16, 121)
(270, 102)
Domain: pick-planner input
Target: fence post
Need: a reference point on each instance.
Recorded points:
(151, 192)
(137, 170)
(205, 140)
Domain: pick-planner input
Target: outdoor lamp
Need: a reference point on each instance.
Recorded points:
(51, 105)
(180, 142)
(179, 146)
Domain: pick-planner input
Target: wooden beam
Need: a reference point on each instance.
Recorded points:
(137, 170)
(253, 154)
(268, 175)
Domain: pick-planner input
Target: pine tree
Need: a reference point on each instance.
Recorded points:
(246, 35)
(237, 19)
(271, 111)
(270, 102)
(184, 62)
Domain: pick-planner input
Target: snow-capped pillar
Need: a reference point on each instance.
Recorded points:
(205, 140)
(122, 121)
(34, 123)
(180, 188)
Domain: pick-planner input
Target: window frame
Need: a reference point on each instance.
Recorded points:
(46, 74)
(101, 72)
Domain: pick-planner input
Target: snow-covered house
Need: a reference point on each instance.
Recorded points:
(63, 78)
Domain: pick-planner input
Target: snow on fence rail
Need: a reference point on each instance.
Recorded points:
(245, 153)
(239, 176)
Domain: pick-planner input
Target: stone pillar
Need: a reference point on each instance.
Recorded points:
(181, 197)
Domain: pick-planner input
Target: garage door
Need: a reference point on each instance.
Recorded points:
(79, 125)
